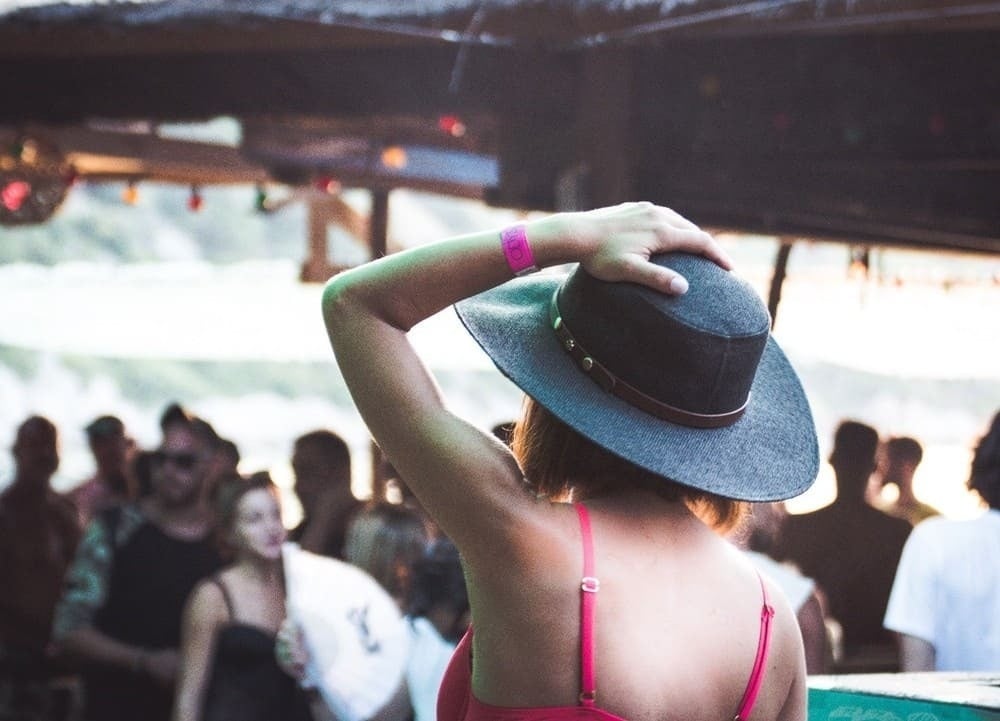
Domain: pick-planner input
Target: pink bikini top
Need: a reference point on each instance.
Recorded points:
(456, 701)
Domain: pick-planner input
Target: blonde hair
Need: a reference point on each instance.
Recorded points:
(385, 539)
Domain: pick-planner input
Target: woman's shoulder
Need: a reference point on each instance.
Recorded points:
(207, 602)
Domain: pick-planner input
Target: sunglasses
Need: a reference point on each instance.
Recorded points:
(183, 461)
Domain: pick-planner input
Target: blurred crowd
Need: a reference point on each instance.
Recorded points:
(884, 586)
(155, 588)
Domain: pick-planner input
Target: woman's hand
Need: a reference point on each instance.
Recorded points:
(290, 650)
(616, 243)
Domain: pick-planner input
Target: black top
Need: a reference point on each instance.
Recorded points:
(151, 576)
(852, 552)
(246, 683)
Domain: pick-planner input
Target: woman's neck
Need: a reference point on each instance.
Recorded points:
(266, 571)
(643, 501)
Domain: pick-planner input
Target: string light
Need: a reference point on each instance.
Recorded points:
(28, 152)
(195, 200)
(34, 179)
(394, 157)
(452, 125)
(130, 196)
(14, 194)
(327, 184)
(260, 198)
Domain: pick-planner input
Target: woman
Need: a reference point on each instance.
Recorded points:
(385, 540)
(596, 588)
(437, 609)
(228, 665)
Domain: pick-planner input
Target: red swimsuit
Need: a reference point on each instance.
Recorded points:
(456, 701)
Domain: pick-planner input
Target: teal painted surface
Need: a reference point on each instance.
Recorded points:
(830, 705)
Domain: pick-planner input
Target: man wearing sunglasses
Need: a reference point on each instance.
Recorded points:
(120, 615)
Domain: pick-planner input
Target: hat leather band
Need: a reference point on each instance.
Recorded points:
(630, 394)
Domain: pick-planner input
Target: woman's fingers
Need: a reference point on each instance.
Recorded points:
(666, 280)
(699, 242)
(645, 227)
(628, 235)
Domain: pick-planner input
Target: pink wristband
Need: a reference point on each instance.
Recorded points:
(514, 241)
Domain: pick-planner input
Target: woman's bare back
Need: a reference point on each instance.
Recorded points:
(677, 621)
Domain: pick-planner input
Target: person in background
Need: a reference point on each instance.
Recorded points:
(227, 458)
(223, 454)
(384, 540)
(111, 484)
(39, 531)
(321, 462)
(231, 620)
(898, 459)
(756, 537)
(397, 492)
(595, 537)
(851, 550)
(223, 465)
(945, 601)
(141, 469)
(119, 617)
(437, 609)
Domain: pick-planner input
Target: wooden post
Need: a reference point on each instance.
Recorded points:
(317, 267)
(778, 278)
(378, 242)
(378, 238)
(325, 210)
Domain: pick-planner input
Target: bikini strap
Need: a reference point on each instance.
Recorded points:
(589, 586)
(225, 595)
(760, 662)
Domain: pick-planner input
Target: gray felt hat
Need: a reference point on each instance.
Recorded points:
(691, 387)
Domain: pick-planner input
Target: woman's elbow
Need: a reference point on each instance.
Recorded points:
(338, 296)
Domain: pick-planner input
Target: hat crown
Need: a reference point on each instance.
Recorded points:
(698, 351)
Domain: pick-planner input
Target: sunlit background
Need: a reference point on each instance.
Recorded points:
(908, 344)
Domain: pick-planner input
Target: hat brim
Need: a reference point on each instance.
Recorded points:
(769, 454)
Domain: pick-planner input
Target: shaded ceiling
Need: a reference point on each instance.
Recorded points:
(863, 121)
